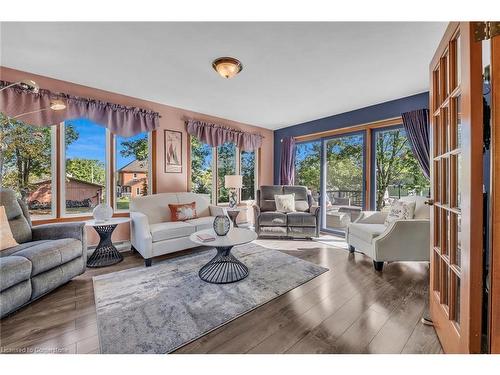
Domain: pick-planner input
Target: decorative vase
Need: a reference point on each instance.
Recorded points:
(222, 224)
(102, 212)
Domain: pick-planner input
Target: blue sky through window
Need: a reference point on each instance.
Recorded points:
(91, 142)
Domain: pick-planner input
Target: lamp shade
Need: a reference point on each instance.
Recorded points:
(234, 181)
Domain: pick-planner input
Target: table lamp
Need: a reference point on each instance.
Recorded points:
(233, 182)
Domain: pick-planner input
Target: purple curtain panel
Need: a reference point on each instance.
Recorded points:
(287, 167)
(416, 125)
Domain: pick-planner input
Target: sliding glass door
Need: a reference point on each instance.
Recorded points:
(397, 173)
(343, 180)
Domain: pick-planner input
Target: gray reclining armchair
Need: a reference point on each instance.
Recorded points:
(47, 256)
(303, 223)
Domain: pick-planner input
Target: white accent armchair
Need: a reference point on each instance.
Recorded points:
(402, 240)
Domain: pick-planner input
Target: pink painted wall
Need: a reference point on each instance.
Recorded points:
(172, 118)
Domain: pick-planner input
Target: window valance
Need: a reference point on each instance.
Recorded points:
(120, 120)
(216, 135)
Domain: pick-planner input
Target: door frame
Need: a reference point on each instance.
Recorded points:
(494, 293)
(466, 339)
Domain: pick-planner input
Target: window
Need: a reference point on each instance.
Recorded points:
(226, 165)
(397, 172)
(85, 166)
(224, 161)
(131, 169)
(308, 166)
(26, 165)
(201, 167)
(247, 170)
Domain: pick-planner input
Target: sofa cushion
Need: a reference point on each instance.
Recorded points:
(267, 194)
(170, 230)
(301, 219)
(366, 232)
(272, 219)
(273, 231)
(202, 222)
(21, 246)
(49, 254)
(301, 198)
(13, 270)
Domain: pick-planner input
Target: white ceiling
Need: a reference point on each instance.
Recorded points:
(292, 72)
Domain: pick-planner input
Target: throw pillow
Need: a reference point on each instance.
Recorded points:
(400, 210)
(8, 240)
(285, 203)
(181, 212)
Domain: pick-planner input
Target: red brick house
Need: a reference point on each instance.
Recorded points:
(133, 179)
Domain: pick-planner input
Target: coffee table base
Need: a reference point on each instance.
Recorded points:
(224, 268)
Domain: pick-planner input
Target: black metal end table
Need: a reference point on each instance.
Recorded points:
(105, 254)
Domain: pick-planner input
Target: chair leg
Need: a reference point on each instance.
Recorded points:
(351, 249)
(378, 266)
(148, 262)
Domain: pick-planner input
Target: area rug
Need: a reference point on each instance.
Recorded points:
(161, 308)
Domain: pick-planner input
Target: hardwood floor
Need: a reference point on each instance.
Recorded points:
(349, 309)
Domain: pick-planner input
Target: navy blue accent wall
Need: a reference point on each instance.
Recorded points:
(372, 113)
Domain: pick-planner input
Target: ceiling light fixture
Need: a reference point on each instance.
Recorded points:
(227, 67)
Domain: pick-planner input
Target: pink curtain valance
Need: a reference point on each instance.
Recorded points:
(120, 120)
(216, 135)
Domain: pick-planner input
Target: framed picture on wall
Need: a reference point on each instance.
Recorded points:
(173, 151)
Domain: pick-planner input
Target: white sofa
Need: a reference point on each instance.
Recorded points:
(402, 240)
(152, 232)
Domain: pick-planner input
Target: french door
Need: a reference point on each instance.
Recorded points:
(456, 176)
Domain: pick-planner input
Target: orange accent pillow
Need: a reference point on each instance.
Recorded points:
(181, 212)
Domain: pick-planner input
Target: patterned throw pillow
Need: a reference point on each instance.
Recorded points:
(400, 210)
(285, 203)
(181, 212)
(8, 240)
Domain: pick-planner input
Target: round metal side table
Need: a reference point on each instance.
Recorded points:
(105, 253)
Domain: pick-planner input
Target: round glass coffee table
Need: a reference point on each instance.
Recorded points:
(224, 268)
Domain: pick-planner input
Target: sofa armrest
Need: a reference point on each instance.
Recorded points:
(217, 210)
(140, 234)
(58, 231)
(314, 209)
(404, 240)
(256, 214)
(371, 217)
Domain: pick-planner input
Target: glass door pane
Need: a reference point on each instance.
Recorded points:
(397, 172)
(308, 166)
(343, 180)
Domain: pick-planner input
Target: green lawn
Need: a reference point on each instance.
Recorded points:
(122, 203)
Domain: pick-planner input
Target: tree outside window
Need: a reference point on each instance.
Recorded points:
(398, 173)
